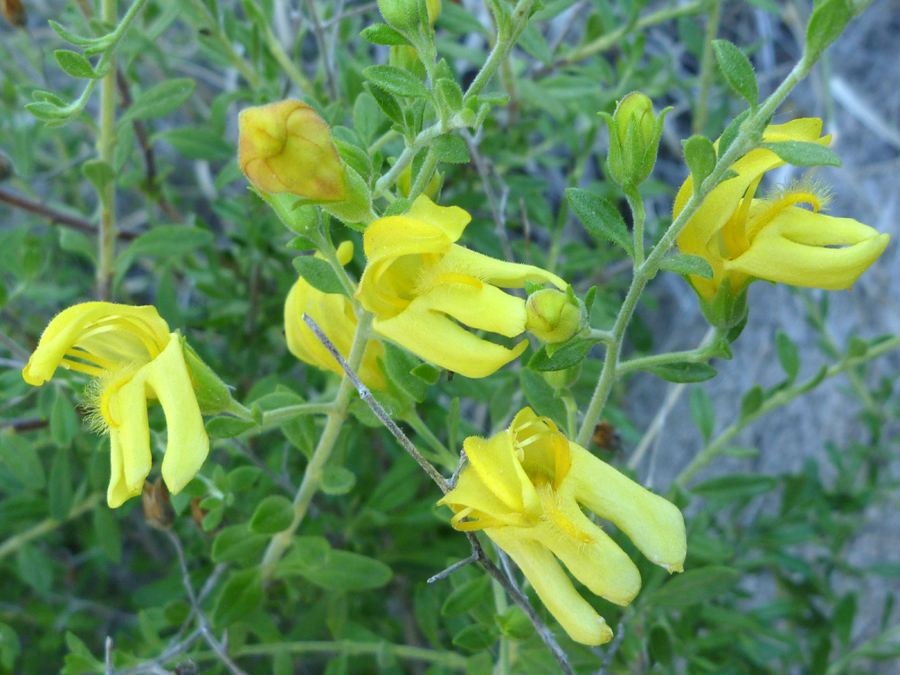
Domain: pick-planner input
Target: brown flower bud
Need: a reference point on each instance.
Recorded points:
(287, 147)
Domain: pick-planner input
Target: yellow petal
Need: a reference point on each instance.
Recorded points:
(188, 444)
(478, 306)
(395, 236)
(591, 556)
(495, 462)
(436, 338)
(553, 587)
(655, 525)
(123, 325)
(128, 409)
(792, 250)
(118, 492)
(499, 272)
(482, 505)
(452, 220)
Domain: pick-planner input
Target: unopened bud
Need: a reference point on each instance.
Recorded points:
(14, 12)
(287, 147)
(634, 133)
(552, 316)
(404, 14)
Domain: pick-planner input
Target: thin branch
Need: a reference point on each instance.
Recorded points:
(612, 649)
(319, 32)
(498, 207)
(508, 585)
(455, 566)
(55, 217)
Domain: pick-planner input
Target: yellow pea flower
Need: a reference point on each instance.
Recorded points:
(333, 313)
(526, 486)
(287, 147)
(133, 357)
(419, 283)
(745, 237)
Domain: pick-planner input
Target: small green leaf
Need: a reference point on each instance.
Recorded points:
(337, 480)
(169, 240)
(273, 514)
(19, 456)
(450, 149)
(348, 572)
(533, 42)
(388, 104)
(788, 355)
(397, 81)
(752, 401)
(75, 64)
(476, 637)
(857, 347)
(601, 219)
(466, 596)
(198, 143)
(108, 533)
(382, 34)
(10, 646)
(160, 100)
(685, 263)
(33, 568)
(659, 643)
(694, 587)
(731, 132)
(399, 365)
(799, 153)
(735, 486)
(702, 412)
(683, 371)
(64, 422)
(59, 488)
(100, 174)
(700, 155)
(738, 70)
(74, 38)
(427, 373)
(450, 92)
(238, 544)
(227, 427)
(828, 20)
(241, 595)
(319, 274)
(570, 354)
(541, 396)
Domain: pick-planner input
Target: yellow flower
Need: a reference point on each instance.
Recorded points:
(419, 283)
(333, 313)
(745, 237)
(526, 486)
(287, 147)
(133, 357)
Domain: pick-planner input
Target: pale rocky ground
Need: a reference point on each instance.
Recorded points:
(863, 90)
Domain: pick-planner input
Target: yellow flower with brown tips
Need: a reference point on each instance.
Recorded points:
(133, 358)
(526, 487)
(334, 314)
(744, 236)
(424, 290)
(287, 147)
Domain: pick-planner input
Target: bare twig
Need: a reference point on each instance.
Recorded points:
(204, 626)
(319, 32)
(498, 207)
(108, 646)
(455, 566)
(612, 649)
(463, 458)
(483, 559)
(55, 217)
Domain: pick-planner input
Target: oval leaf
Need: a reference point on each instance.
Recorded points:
(349, 572)
(601, 219)
(397, 81)
(684, 263)
(738, 70)
(799, 153)
(684, 371)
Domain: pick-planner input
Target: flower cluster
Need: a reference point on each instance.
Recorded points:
(526, 486)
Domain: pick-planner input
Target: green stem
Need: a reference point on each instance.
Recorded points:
(215, 30)
(424, 177)
(714, 449)
(702, 353)
(501, 50)
(13, 544)
(706, 66)
(280, 415)
(290, 69)
(446, 458)
(348, 647)
(638, 215)
(106, 143)
(608, 374)
(313, 475)
(867, 649)
(611, 39)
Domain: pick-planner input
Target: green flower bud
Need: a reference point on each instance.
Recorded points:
(634, 133)
(562, 379)
(404, 15)
(552, 316)
(213, 395)
(727, 308)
